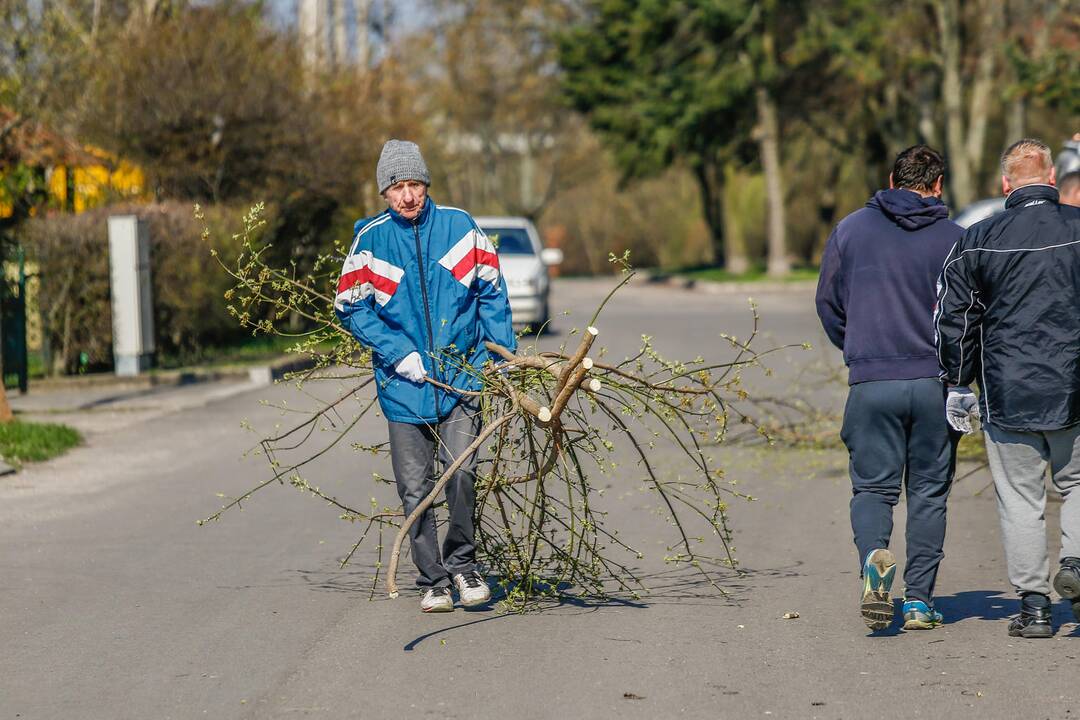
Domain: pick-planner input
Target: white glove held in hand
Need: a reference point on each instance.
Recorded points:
(411, 368)
(960, 407)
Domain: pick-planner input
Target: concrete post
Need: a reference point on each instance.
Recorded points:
(132, 303)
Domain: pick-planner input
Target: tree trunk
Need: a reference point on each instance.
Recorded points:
(5, 408)
(340, 33)
(736, 256)
(1016, 120)
(363, 29)
(965, 138)
(927, 105)
(769, 143)
(311, 23)
(959, 175)
(993, 19)
(95, 21)
(827, 203)
(6, 415)
(710, 177)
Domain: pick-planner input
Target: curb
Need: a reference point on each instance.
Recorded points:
(710, 287)
(257, 374)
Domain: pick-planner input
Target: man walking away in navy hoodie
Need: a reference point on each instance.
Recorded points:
(876, 300)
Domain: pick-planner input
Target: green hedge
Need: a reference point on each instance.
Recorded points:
(71, 255)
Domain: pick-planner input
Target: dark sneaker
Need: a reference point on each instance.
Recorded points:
(878, 572)
(1034, 618)
(471, 588)
(1067, 583)
(437, 599)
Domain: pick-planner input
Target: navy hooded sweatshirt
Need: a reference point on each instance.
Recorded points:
(877, 288)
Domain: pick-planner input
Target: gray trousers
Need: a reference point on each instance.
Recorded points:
(1018, 462)
(413, 449)
(896, 435)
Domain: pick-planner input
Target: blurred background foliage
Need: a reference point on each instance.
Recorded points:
(694, 133)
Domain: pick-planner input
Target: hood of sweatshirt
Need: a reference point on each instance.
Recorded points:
(908, 209)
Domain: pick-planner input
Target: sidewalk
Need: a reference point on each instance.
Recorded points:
(96, 410)
(102, 403)
(713, 287)
(264, 372)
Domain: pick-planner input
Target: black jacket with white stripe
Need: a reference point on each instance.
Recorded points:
(1008, 312)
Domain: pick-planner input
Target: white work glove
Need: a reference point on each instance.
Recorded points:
(411, 367)
(960, 407)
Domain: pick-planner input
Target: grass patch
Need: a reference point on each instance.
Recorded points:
(718, 274)
(972, 448)
(22, 442)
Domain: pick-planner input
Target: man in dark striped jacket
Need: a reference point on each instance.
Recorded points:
(1009, 319)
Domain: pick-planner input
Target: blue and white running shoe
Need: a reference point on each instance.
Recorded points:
(878, 572)
(919, 616)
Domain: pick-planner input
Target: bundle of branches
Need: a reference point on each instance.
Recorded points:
(554, 423)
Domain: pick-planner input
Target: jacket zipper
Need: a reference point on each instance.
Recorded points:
(424, 294)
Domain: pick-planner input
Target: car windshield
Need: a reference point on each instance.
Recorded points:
(510, 241)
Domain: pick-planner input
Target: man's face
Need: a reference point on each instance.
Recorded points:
(406, 198)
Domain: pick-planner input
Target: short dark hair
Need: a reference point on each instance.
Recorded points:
(1066, 181)
(918, 168)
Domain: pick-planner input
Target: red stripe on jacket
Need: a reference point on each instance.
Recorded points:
(366, 275)
(474, 258)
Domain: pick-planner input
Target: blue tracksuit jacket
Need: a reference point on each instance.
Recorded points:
(430, 286)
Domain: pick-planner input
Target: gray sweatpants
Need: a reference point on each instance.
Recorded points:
(1018, 462)
(412, 453)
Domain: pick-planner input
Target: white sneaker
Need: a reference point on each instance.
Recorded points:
(437, 599)
(472, 588)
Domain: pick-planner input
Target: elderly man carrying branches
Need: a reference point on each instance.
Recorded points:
(421, 289)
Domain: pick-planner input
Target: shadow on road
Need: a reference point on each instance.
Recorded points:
(977, 604)
(687, 586)
(668, 585)
(565, 602)
(970, 604)
(990, 605)
(412, 644)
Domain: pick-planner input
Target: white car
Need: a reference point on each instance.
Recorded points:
(524, 262)
(979, 210)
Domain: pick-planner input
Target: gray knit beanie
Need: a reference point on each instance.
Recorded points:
(400, 160)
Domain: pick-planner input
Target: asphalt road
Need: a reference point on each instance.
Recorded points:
(114, 604)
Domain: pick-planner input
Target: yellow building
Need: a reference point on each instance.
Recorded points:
(75, 177)
(83, 187)
(53, 173)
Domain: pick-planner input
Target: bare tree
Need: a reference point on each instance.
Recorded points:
(965, 131)
(767, 133)
(509, 146)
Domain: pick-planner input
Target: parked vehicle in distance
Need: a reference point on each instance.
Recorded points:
(979, 210)
(524, 262)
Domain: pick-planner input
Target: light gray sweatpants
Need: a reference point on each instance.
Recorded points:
(1018, 462)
